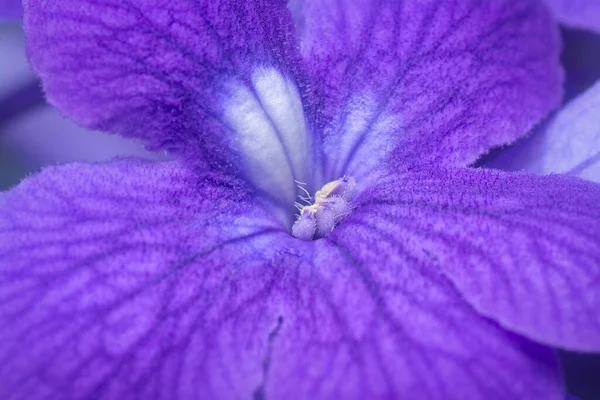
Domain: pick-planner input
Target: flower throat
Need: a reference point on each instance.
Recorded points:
(330, 205)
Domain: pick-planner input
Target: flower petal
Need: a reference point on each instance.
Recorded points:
(568, 143)
(367, 321)
(99, 269)
(428, 81)
(214, 81)
(135, 279)
(577, 13)
(523, 250)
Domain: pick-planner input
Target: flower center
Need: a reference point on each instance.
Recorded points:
(330, 205)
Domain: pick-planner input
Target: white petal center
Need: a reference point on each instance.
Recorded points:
(272, 136)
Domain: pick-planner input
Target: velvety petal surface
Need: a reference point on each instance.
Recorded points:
(522, 249)
(136, 280)
(102, 268)
(577, 13)
(216, 81)
(427, 81)
(568, 143)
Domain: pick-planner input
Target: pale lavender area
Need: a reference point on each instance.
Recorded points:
(43, 137)
(577, 13)
(14, 69)
(38, 135)
(569, 142)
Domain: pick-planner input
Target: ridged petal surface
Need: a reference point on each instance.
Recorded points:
(427, 81)
(138, 280)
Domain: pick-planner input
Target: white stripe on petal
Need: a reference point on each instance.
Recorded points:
(365, 140)
(271, 134)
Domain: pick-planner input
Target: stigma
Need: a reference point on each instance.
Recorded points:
(330, 205)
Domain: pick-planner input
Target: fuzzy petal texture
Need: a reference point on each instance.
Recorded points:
(216, 82)
(161, 70)
(522, 249)
(568, 143)
(427, 81)
(577, 13)
(137, 280)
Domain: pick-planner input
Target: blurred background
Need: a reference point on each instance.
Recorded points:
(33, 135)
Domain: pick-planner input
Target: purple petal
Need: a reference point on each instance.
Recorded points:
(215, 82)
(577, 13)
(568, 143)
(523, 250)
(105, 273)
(138, 280)
(428, 81)
(146, 68)
(10, 9)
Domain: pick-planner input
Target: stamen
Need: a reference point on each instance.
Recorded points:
(331, 205)
(307, 200)
(305, 192)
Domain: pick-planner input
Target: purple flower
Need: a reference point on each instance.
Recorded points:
(182, 280)
(567, 143)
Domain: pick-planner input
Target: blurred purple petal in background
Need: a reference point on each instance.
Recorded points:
(43, 136)
(34, 134)
(569, 140)
(577, 13)
(14, 69)
(567, 143)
